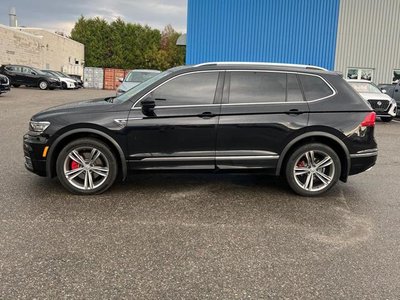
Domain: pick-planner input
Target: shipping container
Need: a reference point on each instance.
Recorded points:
(93, 78)
(111, 78)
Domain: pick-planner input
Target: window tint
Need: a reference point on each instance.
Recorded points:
(314, 87)
(293, 89)
(253, 87)
(191, 89)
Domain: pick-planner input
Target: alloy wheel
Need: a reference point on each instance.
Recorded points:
(314, 170)
(43, 85)
(86, 168)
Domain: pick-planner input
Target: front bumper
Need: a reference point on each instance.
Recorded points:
(54, 84)
(33, 154)
(4, 88)
(390, 112)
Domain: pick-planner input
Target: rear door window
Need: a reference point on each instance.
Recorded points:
(294, 93)
(257, 87)
(314, 87)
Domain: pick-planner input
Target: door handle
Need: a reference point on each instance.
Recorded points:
(206, 115)
(293, 112)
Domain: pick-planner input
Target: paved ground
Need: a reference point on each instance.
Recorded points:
(193, 236)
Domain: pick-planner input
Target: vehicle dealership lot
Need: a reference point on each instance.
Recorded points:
(193, 236)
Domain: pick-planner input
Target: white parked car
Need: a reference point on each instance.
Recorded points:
(66, 81)
(134, 78)
(384, 106)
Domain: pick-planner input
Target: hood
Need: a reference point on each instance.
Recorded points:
(83, 107)
(376, 96)
(127, 85)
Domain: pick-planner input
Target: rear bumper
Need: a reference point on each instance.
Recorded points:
(362, 161)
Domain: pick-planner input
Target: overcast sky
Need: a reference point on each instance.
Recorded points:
(61, 14)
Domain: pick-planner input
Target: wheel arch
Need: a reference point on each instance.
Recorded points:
(320, 137)
(74, 134)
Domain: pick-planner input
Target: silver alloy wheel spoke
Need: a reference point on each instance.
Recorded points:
(75, 156)
(94, 155)
(74, 173)
(100, 171)
(301, 170)
(327, 161)
(323, 175)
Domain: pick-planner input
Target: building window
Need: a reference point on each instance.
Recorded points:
(359, 73)
(396, 75)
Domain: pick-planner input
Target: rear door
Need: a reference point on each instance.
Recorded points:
(182, 132)
(261, 110)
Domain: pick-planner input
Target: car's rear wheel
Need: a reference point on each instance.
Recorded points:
(16, 85)
(86, 166)
(386, 119)
(43, 85)
(313, 169)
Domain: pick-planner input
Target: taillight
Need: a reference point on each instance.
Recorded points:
(369, 120)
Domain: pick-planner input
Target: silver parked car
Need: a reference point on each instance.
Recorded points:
(134, 78)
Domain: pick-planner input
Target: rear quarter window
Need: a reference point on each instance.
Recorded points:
(314, 87)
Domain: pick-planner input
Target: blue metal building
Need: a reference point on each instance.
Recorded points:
(360, 38)
(300, 31)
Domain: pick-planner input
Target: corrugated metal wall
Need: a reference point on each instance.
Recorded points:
(369, 37)
(302, 31)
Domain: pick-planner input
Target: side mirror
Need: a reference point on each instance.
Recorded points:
(148, 105)
(33, 73)
(121, 79)
(383, 91)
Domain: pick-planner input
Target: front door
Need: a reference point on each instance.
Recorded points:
(260, 112)
(182, 132)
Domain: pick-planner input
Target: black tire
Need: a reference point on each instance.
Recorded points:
(64, 86)
(43, 85)
(386, 119)
(107, 159)
(16, 85)
(294, 160)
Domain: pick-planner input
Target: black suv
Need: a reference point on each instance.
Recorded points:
(4, 84)
(302, 122)
(23, 75)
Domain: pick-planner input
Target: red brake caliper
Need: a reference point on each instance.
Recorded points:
(74, 165)
(301, 164)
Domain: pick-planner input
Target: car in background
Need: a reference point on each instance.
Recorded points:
(66, 81)
(302, 122)
(393, 90)
(134, 78)
(78, 80)
(29, 76)
(4, 84)
(384, 105)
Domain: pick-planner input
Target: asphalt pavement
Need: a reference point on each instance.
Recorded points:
(193, 236)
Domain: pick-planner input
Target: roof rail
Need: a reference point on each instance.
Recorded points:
(260, 63)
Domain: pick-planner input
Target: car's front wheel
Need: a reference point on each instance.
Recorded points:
(386, 119)
(86, 166)
(43, 85)
(313, 169)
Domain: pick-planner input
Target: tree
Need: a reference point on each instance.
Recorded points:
(126, 45)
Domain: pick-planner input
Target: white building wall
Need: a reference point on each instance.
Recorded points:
(369, 37)
(42, 49)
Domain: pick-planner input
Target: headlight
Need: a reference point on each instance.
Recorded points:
(38, 126)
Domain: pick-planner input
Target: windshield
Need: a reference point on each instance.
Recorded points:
(140, 76)
(365, 87)
(141, 86)
(38, 71)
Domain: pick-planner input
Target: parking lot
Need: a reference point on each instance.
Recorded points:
(193, 236)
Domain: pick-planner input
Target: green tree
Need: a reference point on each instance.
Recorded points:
(126, 45)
